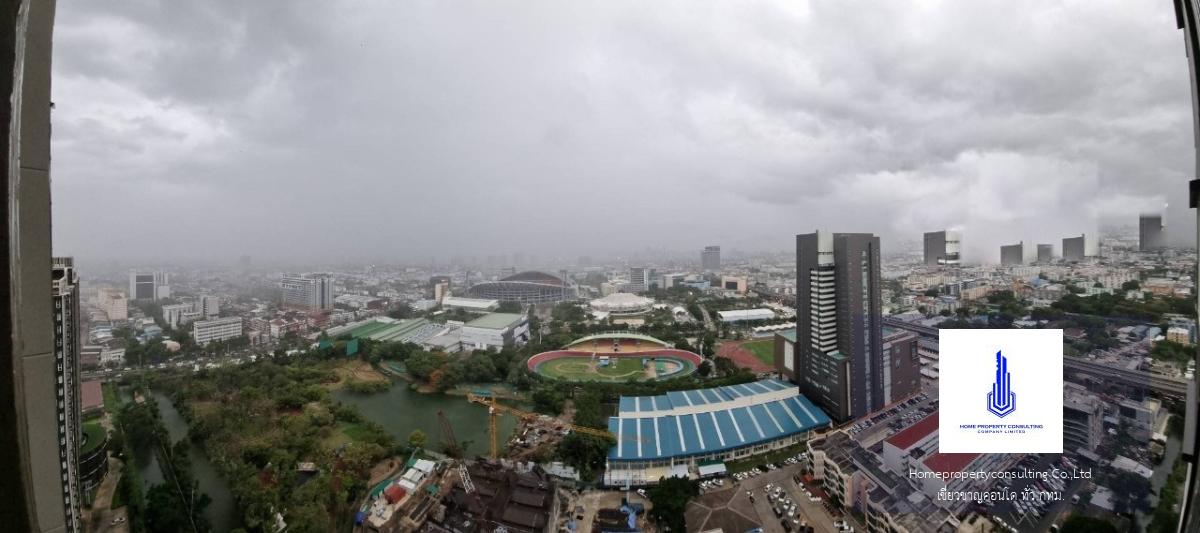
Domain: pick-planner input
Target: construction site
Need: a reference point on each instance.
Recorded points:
(449, 494)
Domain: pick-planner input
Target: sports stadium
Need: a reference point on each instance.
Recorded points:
(615, 357)
(530, 287)
(692, 433)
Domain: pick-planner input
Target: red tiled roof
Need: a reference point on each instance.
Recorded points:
(947, 463)
(915, 433)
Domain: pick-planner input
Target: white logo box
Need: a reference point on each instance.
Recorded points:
(967, 373)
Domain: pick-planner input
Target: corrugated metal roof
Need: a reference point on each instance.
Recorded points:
(718, 426)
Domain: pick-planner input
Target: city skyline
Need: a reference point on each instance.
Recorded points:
(293, 129)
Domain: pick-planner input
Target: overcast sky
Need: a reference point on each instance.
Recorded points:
(303, 130)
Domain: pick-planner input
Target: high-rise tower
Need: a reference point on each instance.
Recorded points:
(838, 354)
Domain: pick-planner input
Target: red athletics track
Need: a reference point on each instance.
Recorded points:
(742, 357)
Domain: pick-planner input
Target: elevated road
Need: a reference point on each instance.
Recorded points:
(1162, 385)
(1165, 386)
(924, 331)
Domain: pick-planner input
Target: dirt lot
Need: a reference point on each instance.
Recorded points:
(593, 501)
(359, 371)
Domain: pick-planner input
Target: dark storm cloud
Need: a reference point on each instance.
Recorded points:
(406, 130)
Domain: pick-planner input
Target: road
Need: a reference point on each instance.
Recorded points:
(237, 358)
(708, 322)
(102, 517)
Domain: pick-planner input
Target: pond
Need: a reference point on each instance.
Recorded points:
(400, 410)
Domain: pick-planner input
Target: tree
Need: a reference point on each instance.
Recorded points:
(670, 498)
(705, 369)
(548, 400)
(932, 293)
(509, 307)
(417, 439)
(1131, 285)
(1087, 524)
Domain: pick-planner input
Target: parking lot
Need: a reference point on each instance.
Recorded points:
(809, 509)
(1036, 516)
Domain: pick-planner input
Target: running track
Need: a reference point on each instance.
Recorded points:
(742, 357)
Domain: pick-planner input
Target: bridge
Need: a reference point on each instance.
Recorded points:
(1165, 386)
(924, 331)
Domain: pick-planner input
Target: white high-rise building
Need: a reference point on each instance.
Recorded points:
(710, 259)
(311, 292)
(149, 285)
(219, 329)
(209, 306)
(172, 315)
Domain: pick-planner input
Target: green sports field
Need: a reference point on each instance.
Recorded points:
(763, 350)
(579, 369)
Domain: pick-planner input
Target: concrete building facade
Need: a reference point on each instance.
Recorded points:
(1151, 233)
(1012, 254)
(1078, 248)
(29, 456)
(149, 285)
(206, 331)
(943, 248)
(313, 292)
(1045, 253)
(67, 346)
(710, 259)
(838, 350)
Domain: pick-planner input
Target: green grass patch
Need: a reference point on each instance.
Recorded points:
(93, 435)
(347, 433)
(763, 350)
(580, 369)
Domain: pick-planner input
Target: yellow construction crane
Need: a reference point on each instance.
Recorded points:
(494, 410)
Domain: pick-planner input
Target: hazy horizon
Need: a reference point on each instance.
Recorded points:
(192, 132)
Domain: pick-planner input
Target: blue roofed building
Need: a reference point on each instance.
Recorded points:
(670, 434)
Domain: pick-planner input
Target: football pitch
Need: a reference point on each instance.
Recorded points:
(580, 369)
(763, 350)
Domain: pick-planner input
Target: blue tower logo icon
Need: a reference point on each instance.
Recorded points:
(1001, 400)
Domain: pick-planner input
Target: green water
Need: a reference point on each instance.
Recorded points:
(222, 513)
(400, 410)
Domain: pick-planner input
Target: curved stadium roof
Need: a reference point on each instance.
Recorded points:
(611, 336)
(524, 287)
(534, 276)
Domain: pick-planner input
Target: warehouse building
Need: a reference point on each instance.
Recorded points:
(675, 433)
(741, 315)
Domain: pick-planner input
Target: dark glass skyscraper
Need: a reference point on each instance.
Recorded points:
(838, 354)
(1151, 234)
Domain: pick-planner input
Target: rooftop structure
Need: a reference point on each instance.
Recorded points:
(474, 305)
(495, 330)
(741, 315)
(524, 287)
(414, 330)
(622, 303)
(722, 423)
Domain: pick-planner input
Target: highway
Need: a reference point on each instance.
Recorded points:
(1166, 386)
